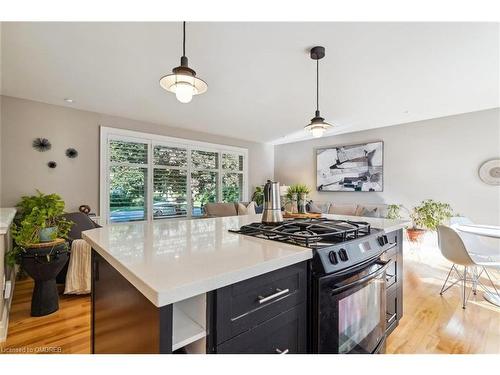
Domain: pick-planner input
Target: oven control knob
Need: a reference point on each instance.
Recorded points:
(333, 257)
(382, 240)
(343, 255)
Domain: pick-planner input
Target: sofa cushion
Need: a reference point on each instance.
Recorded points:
(318, 207)
(343, 209)
(372, 210)
(220, 209)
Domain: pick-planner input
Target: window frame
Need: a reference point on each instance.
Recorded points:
(109, 133)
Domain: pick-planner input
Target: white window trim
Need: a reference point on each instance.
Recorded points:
(108, 133)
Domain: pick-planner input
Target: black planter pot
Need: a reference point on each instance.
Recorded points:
(43, 270)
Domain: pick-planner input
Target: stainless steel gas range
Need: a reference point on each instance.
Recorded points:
(355, 289)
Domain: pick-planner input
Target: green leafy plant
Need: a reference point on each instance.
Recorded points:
(394, 211)
(429, 214)
(258, 195)
(297, 189)
(35, 213)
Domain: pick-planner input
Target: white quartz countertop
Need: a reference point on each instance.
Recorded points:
(388, 225)
(169, 261)
(6, 216)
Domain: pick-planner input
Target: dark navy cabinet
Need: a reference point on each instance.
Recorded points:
(264, 314)
(394, 280)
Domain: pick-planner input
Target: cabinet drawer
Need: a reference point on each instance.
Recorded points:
(285, 333)
(244, 305)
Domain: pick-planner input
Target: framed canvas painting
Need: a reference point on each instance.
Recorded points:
(351, 168)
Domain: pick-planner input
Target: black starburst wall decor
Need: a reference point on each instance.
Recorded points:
(71, 153)
(52, 164)
(41, 144)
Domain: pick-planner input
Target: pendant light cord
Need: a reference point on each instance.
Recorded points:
(184, 38)
(317, 85)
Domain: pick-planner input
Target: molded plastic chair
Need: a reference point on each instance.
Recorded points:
(454, 249)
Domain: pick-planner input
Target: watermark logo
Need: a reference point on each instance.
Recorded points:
(31, 350)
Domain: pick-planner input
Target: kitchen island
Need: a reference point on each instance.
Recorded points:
(150, 281)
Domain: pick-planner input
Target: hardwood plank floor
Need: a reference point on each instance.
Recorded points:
(431, 323)
(437, 324)
(65, 331)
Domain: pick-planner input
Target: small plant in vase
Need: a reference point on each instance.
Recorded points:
(258, 195)
(297, 194)
(427, 216)
(39, 220)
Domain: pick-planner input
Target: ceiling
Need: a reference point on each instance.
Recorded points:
(261, 81)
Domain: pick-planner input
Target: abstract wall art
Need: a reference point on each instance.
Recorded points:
(350, 168)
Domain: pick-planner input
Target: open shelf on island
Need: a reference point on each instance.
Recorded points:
(185, 329)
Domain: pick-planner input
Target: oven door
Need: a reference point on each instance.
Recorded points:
(350, 314)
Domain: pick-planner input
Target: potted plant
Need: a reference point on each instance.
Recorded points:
(427, 216)
(393, 211)
(258, 195)
(39, 220)
(297, 194)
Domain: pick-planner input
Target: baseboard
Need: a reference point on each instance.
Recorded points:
(4, 322)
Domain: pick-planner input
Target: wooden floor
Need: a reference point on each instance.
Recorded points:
(431, 323)
(65, 331)
(437, 324)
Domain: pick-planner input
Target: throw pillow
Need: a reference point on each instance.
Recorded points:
(251, 208)
(314, 208)
(343, 209)
(242, 209)
(246, 210)
(370, 212)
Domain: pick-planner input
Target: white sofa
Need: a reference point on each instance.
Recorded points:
(352, 209)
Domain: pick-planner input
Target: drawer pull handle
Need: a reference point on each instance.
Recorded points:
(278, 293)
(282, 351)
(390, 318)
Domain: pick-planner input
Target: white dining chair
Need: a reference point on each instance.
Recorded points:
(469, 254)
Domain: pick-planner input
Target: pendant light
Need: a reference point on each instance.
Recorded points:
(318, 125)
(183, 81)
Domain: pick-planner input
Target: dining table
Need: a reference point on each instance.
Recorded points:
(490, 231)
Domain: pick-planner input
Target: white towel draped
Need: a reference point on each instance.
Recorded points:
(78, 276)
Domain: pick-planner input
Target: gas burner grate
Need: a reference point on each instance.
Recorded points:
(308, 232)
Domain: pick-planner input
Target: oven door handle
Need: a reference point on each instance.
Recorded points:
(384, 264)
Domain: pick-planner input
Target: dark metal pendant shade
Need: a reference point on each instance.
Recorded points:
(318, 125)
(183, 81)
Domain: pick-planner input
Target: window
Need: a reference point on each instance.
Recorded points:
(151, 177)
(169, 181)
(128, 180)
(232, 177)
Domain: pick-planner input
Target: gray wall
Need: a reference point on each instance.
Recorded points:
(77, 180)
(436, 159)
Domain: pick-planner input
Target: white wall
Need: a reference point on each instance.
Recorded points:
(77, 180)
(0, 112)
(436, 159)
